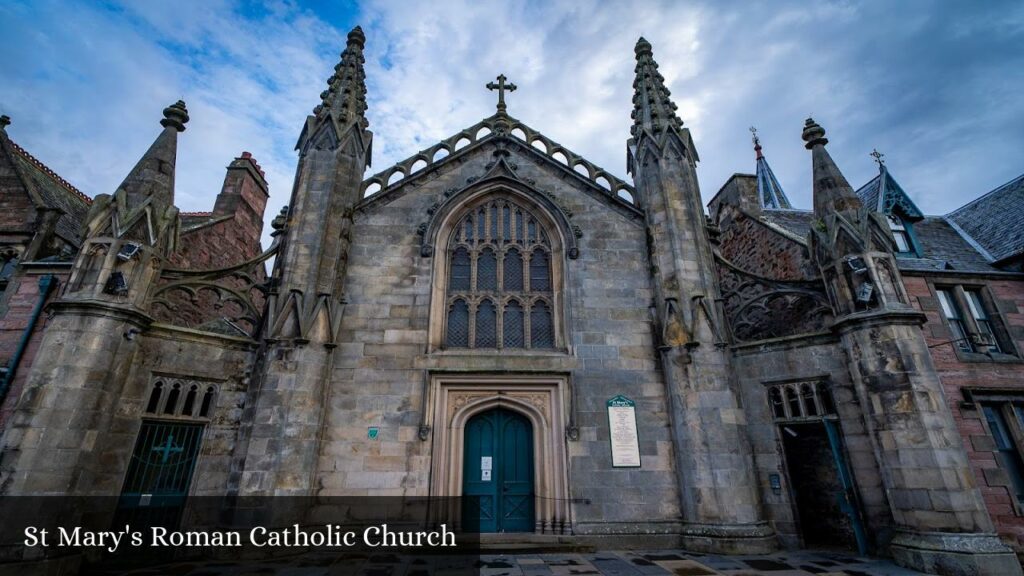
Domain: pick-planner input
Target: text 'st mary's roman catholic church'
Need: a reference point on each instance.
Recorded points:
(498, 317)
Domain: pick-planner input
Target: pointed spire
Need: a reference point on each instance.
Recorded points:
(831, 190)
(769, 191)
(152, 178)
(345, 97)
(653, 109)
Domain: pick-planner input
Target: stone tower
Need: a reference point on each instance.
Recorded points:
(942, 525)
(720, 504)
(56, 443)
(305, 306)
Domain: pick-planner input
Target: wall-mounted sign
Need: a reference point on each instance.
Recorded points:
(623, 434)
(485, 463)
(372, 432)
(485, 475)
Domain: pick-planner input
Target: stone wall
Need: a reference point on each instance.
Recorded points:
(381, 363)
(813, 359)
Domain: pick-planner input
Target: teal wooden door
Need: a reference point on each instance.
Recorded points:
(498, 473)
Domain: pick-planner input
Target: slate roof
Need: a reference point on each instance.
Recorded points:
(883, 198)
(942, 247)
(996, 220)
(55, 192)
(796, 221)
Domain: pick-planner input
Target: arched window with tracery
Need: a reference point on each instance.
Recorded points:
(500, 281)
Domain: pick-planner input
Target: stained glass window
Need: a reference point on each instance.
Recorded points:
(540, 271)
(487, 270)
(514, 333)
(542, 333)
(486, 325)
(458, 325)
(513, 271)
(495, 247)
(460, 270)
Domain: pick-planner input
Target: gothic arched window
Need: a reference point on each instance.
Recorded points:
(500, 282)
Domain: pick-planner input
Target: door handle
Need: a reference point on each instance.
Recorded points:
(504, 488)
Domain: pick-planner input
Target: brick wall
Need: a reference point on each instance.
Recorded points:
(238, 213)
(24, 294)
(957, 373)
(228, 235)
(753, 246)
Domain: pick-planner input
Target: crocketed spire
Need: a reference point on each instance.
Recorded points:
(769, 191)
(345, 97)
(831, 190)
(653, 110)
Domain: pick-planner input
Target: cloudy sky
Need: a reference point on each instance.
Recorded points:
(934, 85)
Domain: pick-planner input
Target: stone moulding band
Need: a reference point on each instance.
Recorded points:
(752, 530)
(963, 543)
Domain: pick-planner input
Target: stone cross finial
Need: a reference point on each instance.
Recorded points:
(877, 156)
(501, 87)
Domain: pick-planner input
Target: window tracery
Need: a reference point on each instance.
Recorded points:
(499, 280)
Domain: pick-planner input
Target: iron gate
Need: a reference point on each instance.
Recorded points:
(162, 464)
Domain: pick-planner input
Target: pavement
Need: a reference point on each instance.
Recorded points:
(610, 563)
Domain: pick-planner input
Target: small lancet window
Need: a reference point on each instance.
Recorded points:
(461, 270)
(154, 398)
(172, 399)
(458, 325)
(793, 399)
(204, 409)
(513, 271)
(487, 270)
(486, 325)
(775, 398)
(540, 271)
(807, 395)
(542, 334)
(514, 332)
(190, 400)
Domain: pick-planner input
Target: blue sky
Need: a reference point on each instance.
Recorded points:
(934, 85)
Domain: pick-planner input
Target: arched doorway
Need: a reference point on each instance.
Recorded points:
(497, 480)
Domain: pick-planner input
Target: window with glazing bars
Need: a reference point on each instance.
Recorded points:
(499, 284)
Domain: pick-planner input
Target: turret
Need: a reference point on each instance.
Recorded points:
(721, 509)
(305, 305)
(851, 244)
(128, 235)
(942, 525)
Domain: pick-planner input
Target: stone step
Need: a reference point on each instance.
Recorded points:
(528, 543)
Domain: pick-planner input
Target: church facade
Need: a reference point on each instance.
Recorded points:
(466, 322)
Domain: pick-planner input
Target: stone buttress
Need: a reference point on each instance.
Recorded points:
(721, 509)
(306, 302)
(941, 522)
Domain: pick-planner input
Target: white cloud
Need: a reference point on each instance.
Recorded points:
(932, 91)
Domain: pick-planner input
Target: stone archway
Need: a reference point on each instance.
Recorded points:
(542, 400)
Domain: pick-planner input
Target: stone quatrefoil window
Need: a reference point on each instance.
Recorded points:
(181, 398)
(499, 280)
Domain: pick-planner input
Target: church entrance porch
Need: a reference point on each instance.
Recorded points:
(519, 423)
(821, 485)
(497, 492)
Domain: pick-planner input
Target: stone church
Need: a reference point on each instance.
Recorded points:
(593, 359)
